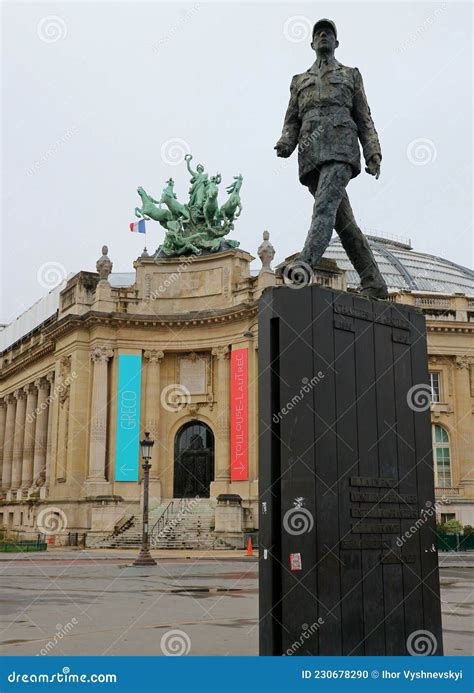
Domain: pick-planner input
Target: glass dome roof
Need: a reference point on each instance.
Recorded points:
(406, 269)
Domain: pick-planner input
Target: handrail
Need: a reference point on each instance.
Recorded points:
(163, 518)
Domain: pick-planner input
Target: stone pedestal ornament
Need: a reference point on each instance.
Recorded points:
(104, 264)
(266, 253)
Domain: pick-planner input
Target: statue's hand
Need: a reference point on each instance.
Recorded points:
(283, 149)
(373, 166)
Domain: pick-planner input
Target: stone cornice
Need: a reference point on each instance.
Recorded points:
(30, 357)
(90, 319)
(460, 328)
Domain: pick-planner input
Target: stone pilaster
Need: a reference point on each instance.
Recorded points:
(153, 358)
(29, 435)
(3, 417)
(8, 442)
(96, 483)
(465, 433)
(18, 438)
(41, 432)
(222, 440)
(49, 441)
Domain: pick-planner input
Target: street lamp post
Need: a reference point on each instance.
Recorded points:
(145, 557)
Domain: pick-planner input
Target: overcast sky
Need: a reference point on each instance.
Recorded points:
(100, 97)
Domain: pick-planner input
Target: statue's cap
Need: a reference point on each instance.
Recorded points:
(325, 22)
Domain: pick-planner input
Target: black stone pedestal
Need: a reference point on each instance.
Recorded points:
(348, 560)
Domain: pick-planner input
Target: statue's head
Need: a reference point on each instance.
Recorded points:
(105, 250)
(324, 36)
(200, 168)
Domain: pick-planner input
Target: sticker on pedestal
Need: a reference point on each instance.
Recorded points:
(295, 561)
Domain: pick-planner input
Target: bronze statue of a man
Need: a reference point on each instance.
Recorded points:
(327, 115)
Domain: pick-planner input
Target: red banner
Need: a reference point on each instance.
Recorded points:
(239, 430)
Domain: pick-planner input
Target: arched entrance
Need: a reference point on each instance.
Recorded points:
(193, 460)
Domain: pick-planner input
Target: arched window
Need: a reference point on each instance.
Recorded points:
(442, 457)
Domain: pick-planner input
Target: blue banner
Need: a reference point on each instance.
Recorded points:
(249, 674)
(128, 417)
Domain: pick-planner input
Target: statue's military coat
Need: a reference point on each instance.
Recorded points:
(327, 114)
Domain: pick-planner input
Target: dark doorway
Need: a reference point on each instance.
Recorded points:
(193, 461)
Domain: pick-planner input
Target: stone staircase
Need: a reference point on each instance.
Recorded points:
(179, 523)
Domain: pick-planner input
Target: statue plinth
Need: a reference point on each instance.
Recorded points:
(191, 283)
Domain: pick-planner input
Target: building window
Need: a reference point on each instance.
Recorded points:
(447, 517)
(435, 386)
(442, 457)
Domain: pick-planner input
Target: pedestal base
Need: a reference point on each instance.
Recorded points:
(347, 516)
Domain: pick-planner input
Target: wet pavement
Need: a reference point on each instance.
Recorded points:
(96, 603)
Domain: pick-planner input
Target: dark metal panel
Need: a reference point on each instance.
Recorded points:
(269, 480)
(353, 461)
(327, 509)
(372, 572)
(298, 539)
(350, 567)
(425, 477)
(392, 617)
(408, 544)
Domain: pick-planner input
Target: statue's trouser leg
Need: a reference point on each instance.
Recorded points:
(357, 248)
(331, 186)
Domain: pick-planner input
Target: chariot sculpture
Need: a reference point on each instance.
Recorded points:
(199, 226)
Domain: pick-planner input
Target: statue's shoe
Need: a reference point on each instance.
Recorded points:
(379, 292)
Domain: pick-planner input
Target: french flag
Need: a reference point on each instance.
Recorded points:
(138, 226)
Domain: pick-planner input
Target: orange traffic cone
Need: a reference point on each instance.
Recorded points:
(249, 547)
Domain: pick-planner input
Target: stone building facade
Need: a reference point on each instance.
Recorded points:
(172, 349)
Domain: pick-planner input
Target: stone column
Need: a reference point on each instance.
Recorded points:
(41, 433)
(49, 440)
(18, 438)
(8, 442)
(152, 403)
(29, 436)
(222, 456)
(98, 435)
(3, 416)
(152, 418)
(465, 433)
